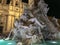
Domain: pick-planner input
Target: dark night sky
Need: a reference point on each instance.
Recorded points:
(26, 1)
(54, 6)
(8, 1)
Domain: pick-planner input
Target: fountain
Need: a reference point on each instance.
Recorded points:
(33, 28)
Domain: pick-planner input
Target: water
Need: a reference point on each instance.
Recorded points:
(7, 42)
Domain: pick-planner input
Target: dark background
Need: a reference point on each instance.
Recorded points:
(54, 6)
(26, 1)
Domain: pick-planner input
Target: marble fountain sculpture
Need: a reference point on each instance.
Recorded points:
(34, 28)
